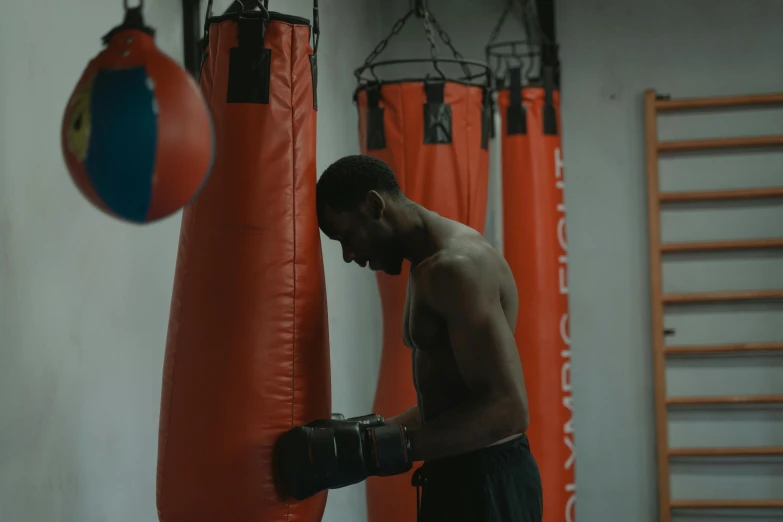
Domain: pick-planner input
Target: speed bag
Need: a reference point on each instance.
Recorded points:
(435, 137)
(136, 134)
(534, 245)
(247, 353)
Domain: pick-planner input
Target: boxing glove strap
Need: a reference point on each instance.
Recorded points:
(371, 420)
(391, 445)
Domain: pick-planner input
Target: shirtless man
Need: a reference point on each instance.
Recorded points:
(460, 313)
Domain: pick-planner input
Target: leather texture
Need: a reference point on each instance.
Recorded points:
(247, 354)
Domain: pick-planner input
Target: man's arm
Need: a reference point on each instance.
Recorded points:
(410, 418)
(466, 295)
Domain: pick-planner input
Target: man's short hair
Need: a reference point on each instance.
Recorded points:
(345, 184)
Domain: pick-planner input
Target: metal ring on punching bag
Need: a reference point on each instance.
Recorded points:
(473, 74)
(528, 62)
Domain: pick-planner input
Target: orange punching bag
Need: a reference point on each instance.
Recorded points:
(434, 135)
(534, 244)
(247, 354)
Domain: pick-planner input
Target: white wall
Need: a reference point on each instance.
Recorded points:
(612, 50)
(84, 299)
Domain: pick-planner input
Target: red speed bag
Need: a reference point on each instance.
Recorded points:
(535, 246)
(247, 353)
(435, 137)
(136, 134)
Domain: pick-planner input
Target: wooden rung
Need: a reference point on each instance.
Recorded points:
(723, 349)
(720, 143)
(726, 452)
(715, 246)
(725, 399)
(720, 195)
(726, 504)
(720, 297)
(718, 102)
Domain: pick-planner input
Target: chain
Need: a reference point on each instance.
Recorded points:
(447, 40)
(398, 25)
(501, 21)
(430, 39)
(429, 23)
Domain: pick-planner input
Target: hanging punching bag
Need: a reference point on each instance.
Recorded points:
(434, 134)
(247, 355)
(136, 134)
(534, 244)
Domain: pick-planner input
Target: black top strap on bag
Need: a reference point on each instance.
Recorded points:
(517, 115)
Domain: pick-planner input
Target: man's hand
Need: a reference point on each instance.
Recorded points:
(463, 289)
(334, 453)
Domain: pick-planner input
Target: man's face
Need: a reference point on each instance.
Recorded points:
(366, 239)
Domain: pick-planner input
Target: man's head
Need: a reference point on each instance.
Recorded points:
(356, 197)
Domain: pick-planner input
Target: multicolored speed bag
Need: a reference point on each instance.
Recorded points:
(137, 134)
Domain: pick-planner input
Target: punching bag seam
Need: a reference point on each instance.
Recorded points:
(467, 153)
(293, 213)
(215, 65)
(404, 147)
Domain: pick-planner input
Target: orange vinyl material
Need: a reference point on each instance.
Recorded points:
(247, 353)
(450, 179)
(534, 244)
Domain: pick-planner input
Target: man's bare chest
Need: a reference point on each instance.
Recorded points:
(422, 328)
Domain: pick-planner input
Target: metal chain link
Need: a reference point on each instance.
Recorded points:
(501, 21)
(429, 23)
(398, 25)
(433, 46)
(430, 39)
(447, 40)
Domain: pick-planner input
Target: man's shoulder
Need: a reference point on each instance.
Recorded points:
(461, 267)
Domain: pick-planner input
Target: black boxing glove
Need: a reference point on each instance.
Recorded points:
(334, 453)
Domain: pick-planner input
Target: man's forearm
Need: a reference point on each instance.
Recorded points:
(410, 417)
(470, 426)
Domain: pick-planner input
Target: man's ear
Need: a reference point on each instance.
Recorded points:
(375, 204)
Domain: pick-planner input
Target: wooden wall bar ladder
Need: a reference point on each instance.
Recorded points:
(655, 104)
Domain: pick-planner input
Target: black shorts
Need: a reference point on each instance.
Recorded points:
(499, 483)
